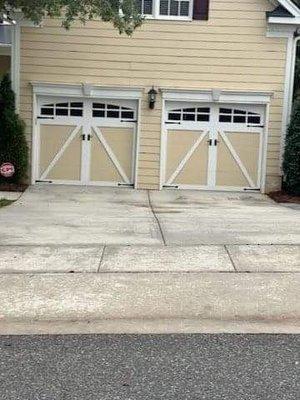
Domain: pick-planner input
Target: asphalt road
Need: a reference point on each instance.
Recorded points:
(129, 367)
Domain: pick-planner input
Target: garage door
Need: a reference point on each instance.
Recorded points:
(86, 141)
(212, 146)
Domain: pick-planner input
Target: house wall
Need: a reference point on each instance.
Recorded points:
(4, 65)
(229, 51)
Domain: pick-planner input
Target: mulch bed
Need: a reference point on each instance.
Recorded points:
(13, 187)
(282, 197)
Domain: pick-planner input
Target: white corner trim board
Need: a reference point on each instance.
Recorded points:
(16, 62)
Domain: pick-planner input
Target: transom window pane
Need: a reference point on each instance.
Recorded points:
(103, 110)
(189, 114)
(73, 109)
(237, 116)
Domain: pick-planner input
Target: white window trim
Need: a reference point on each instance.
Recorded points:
(155, 14)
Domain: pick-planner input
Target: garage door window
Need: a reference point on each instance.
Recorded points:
(103, 110)
(235, 116)
(71, 109)
(189, 114)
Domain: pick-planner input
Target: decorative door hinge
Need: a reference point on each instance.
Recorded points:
(125, 184)
(255, 126)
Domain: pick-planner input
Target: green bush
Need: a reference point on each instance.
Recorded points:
(13, 145)
(291, 161)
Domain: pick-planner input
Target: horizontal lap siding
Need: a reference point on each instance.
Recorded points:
(229, 51)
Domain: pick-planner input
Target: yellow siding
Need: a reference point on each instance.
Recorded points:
(230, 51)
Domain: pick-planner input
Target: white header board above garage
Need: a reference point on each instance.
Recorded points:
(86, 90)
(217, 96)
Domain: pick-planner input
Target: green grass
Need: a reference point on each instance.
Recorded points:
(5, 202)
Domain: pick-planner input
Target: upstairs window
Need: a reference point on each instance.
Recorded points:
(166, 9)
(178, 8)
(145, 7)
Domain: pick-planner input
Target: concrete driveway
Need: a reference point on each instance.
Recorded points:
(147, 262)
(69, 215)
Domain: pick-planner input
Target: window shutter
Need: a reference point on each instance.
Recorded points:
(201, 9)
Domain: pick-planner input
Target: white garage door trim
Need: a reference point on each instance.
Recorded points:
(53, 92)
(259, 100)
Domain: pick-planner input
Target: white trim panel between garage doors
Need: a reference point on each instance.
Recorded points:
(214, 145)
(85, 141)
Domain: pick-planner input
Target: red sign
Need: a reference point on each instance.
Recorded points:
(7, 170)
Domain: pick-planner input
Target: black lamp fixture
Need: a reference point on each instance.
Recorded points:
(152, 97)
(297, 33)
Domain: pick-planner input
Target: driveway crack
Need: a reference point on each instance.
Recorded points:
(156, 219)
(230, 258)
(101, 258)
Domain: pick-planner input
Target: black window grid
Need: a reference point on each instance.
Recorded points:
(194, 114)
(228, 115)
(103, 110)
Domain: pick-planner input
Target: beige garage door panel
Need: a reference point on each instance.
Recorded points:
(246, 146)
(228, 172)
(194, 171)
(68, 166)
(120, 143)
(52, 139)
(102, 168)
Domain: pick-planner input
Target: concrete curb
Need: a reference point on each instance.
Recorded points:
(149, 303)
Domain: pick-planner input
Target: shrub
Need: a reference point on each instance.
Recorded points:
(291, 160)
(13, 145)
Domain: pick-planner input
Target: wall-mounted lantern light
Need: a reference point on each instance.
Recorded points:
(297, 33)
(152, 97)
